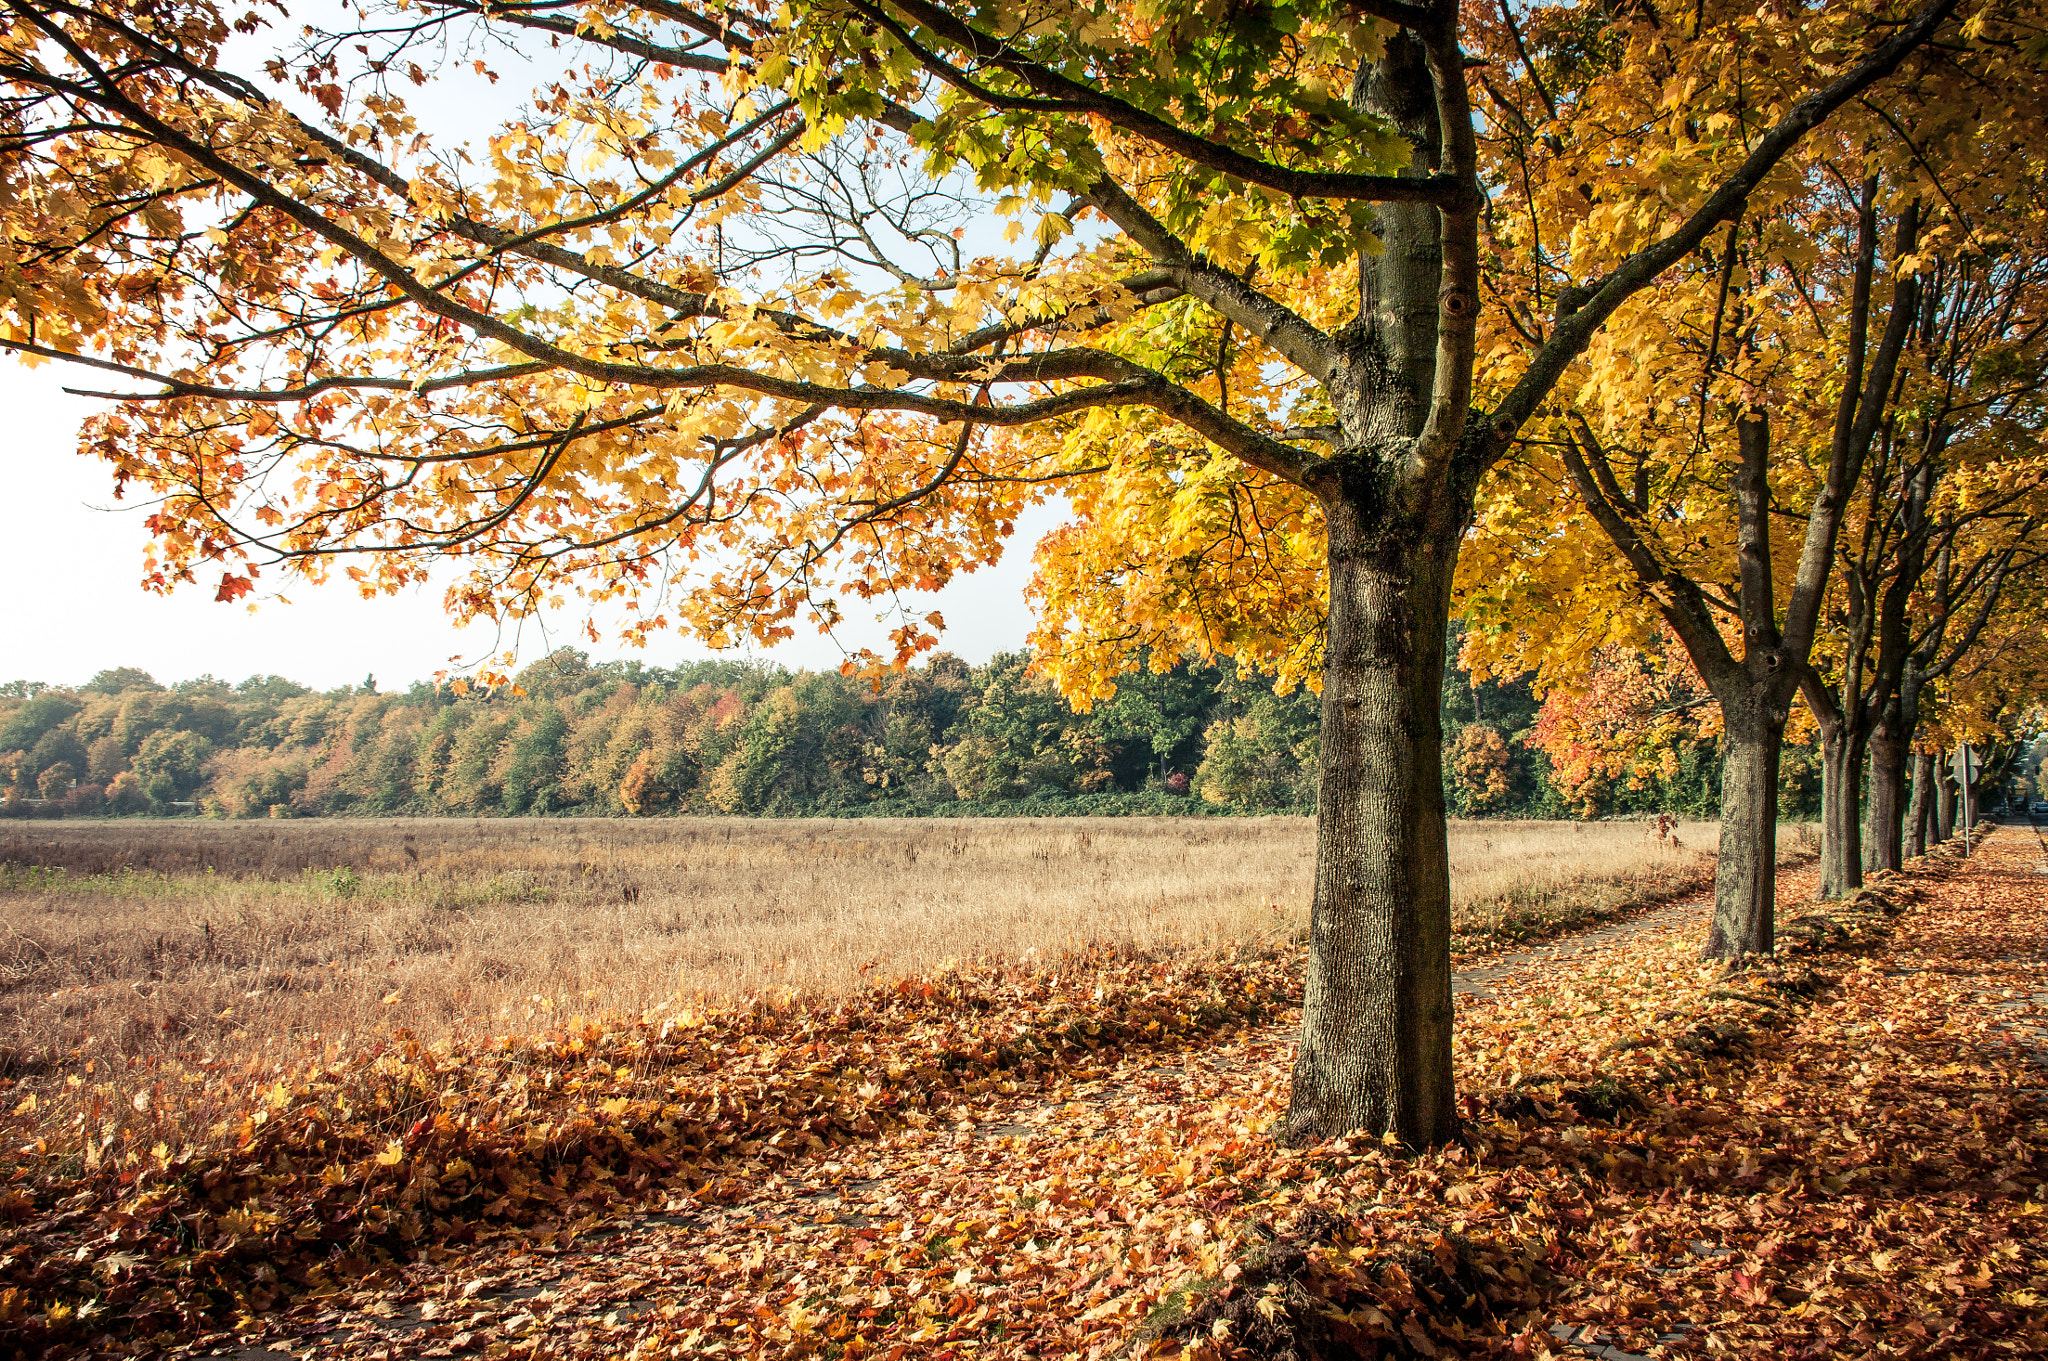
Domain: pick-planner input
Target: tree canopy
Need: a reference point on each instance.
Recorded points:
(940, 738)
(1770, 453)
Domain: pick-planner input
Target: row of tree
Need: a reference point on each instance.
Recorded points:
(1811, 471)
(1721, 323)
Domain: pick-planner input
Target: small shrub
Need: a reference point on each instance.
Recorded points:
(55, 782)
(341, 882)
(126, 795)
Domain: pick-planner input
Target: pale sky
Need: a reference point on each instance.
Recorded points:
(71, 556)
(71, 561)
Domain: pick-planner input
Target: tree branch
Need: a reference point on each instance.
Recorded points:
(1278, 325)
(1582, 311)
(1062, 94)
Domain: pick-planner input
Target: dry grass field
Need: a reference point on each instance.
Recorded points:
(209, 941)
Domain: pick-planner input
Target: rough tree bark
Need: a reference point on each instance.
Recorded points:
(1754, 690)
(1933, 816)
(1883, 818)
(1396, 491)
(1920, 817)
(1379, 937)
(1756, 697)
(1746, 873)
(1376, 1036)
(1872, 715)
(1904, 665)
(1878, 577)
(1841, 777)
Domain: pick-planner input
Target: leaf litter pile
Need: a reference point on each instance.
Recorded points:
(1841, 1153)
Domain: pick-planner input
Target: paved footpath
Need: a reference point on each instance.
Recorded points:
(597, 1292)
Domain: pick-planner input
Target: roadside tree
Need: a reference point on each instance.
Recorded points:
(1955, 494)
(1718, 433)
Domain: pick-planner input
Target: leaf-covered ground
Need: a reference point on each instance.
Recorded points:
(1843, 1154)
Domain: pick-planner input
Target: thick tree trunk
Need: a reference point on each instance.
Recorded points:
(1841, 830)
(1920, 817)
(1883, 824)
(1944, 804)
(1746, 873)
(1396, 498)
(1376, 1032)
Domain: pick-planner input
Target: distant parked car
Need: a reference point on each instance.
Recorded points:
(2038, 809)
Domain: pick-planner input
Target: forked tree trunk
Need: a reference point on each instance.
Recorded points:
(1375, 1048)
(1376, 1040)
(1841, 830)
(1920, 817)
(1883, 823)
(1746, 872)
(1944, 804)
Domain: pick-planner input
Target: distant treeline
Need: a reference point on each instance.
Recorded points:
(745, 738)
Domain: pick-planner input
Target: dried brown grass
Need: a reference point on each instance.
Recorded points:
(208, 942)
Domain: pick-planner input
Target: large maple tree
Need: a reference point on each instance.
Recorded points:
(706, 324)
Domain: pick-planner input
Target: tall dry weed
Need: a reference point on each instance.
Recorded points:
(259, 947)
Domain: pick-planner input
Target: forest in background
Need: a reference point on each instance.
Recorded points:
(743, 737)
